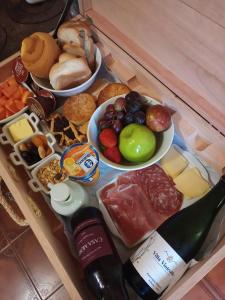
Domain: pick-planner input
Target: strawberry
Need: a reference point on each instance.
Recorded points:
(113, 154)
(108, 138)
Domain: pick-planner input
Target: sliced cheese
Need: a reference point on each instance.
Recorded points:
(173, 163)
(20, 130)
(191, 183)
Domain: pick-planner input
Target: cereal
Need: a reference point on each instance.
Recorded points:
(51, 173)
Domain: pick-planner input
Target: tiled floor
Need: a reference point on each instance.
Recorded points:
(26, 274)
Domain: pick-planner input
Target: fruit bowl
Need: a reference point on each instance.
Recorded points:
(163, 139)
(45, 84)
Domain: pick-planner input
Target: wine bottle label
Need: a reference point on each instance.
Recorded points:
(91, 241)
(157, 263)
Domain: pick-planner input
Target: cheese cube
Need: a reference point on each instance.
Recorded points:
(173, 163)
(191, 183)
(20, 130)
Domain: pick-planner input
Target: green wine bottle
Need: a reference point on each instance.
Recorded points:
(165, 255)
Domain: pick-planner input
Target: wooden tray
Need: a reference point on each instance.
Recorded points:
(121, 55)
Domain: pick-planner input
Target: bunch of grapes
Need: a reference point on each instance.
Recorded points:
(123, 112)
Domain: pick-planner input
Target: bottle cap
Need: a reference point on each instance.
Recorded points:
(60, 192)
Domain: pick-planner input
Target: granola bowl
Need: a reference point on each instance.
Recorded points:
(48, 171)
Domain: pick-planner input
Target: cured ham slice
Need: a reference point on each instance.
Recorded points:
(140, 201)
(129, 207)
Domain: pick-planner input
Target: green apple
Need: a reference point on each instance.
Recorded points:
(137, 143)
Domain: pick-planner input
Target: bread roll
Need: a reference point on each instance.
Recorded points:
(73, 32)
(69, 35)
(83, 26)
(112, 90)
(70, 23)
(75, 50)
(69, 73)
(66, 56)
(90, 52)
(79, 25)
(78, 109)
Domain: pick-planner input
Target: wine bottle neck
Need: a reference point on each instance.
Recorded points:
(216, 197)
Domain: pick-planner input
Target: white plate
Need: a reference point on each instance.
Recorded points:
(193, 162)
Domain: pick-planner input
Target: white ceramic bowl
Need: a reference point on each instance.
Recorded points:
(45, 84)
(16, 157)
(6, 138)
(34, 183)
(164, 139)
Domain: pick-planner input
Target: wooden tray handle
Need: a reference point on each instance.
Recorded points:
(8, 208)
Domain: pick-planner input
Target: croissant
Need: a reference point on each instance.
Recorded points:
(39, 52)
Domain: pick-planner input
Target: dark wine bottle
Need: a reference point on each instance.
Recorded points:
(165, 255)
(97, 255)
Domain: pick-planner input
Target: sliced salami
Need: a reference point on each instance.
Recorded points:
(165, 199)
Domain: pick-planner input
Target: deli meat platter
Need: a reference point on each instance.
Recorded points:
(130, 186)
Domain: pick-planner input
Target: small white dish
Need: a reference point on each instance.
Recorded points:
(17, 158)
(164, 139)
(6, 138)
(34, 183)
(45, 84)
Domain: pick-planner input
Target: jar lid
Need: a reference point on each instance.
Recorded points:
(60, 192)
(80, 161)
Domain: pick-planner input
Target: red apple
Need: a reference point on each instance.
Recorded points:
(158, 118)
